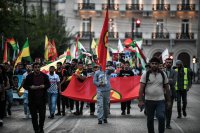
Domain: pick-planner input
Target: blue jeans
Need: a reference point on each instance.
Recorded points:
(103, 100)
(159, 108)
(9, 98)
(52, 100)
(181, 94)
(26, 109)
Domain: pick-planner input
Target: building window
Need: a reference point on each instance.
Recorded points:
(185, 26)
(86, 1)
(135, 1)
(86, 25)
(111, 25)
(112, 1)
(159, 26)
(61, 1)
(112, 29)
(160, 1)
(185, 2)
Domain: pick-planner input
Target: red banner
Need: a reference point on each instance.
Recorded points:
(122, 89)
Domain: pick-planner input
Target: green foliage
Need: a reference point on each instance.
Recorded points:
(35, 26)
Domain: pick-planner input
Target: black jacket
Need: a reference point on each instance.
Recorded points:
(39, 95)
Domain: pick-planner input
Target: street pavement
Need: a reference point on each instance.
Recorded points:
(133, 123)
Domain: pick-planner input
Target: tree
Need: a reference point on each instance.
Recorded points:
(53, 26)
(10, 18)
(34, 26)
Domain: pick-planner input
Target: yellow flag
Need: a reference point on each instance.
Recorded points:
(25, 53)
(109, 58)
(21, 92)
(45, 69)
(94, 47)
(94, 44)
(46, 48)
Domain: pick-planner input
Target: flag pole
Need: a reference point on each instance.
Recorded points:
(108, 8)
(118, 56)
(2, 46)
(90, 19)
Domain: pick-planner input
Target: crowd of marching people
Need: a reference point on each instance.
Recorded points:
(161, 84)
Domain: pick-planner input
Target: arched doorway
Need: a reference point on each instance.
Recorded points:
(185, 58)
(158, 55)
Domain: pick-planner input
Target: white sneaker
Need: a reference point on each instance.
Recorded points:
(27, 116)
(1, 123)
(24, 117)
(71, 111)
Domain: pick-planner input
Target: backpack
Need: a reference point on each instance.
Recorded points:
(148, 73)
(147, 78)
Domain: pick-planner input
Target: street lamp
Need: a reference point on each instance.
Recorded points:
(171, 57)
(193, 62)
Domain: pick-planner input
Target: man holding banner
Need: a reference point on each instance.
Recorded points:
(81, 75)
(126, 72)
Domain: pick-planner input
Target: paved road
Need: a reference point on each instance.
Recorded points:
(134, 123)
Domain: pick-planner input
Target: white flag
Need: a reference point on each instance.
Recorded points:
(120, 47)
(165, 55)
(139, 43)
(72, 51)
(113, 50)
(80, 46)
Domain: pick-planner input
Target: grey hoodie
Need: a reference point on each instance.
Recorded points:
(99, 77)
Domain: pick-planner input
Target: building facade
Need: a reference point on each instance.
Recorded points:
(171, 24)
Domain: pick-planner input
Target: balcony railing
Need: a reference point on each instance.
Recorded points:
(185, 7)
(113, 35)
(163, 35)
(136, 7)
(85, 34)
(184, 35)
(61, 1)
(86, 6)
(114, 7)
(161, 7)
(135, 35)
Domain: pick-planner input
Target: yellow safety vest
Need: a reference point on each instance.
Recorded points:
(185, 79)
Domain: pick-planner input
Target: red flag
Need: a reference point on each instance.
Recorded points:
(128, 41)
(122, 89)
(76, 51)
(54, 50)
(12, 43)
(5, 55)
(103, 41)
